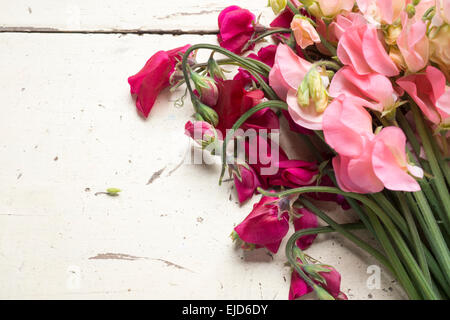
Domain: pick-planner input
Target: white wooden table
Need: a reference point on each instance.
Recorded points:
(69, 129)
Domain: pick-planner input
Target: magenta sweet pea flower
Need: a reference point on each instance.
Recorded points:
(236, 27)
(360, 47)
(295, 173)
(332, 284)
(264, 226)
(154, 77)
(298, 287)
(247, 183)
(200, 131)
(307, 220)
(430, 92)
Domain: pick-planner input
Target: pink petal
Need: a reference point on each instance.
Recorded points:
(345, 124)
(376, 55)
(389, 160)
(306, 117)
(298, 287)
(306, 221)
(247, 187)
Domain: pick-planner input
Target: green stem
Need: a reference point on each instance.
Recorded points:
(409, 260)
(441, 187)
(400, 271)
(363, 245)
(240, 122)
(435, 238)
(270, 32)
(418, 246)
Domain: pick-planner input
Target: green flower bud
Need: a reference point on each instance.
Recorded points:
(303, 94)
(214, 70)
(208, 114)
(411, 10)
(277, 5)
(322, 294)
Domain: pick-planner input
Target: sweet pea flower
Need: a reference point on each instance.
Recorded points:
(200, 131)
(307, 220)
(381, 161)
(264, 226)
(285, 78)
(332, 284)
(381, 11)
(375, 89)
(283, 20)
(413, 43)
(304, 32)
(266, 55)
(247, 183)
(342, 22)
(430, 92)
(440, 48)
(330, 8)
(154, 77)
(294, 173)
(236, 27)
(360, 47)
(234, 100)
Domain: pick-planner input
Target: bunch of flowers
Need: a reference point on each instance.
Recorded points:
(364, 83)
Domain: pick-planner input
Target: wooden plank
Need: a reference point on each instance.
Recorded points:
(69, 129)
(114, 15)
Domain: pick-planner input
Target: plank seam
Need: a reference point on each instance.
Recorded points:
(173, 32)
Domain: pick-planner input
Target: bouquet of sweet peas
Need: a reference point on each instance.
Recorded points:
(365, 84)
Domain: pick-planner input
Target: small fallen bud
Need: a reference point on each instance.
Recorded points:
(113, 192)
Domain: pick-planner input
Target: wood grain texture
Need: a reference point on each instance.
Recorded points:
(115, 15)
(69, 129)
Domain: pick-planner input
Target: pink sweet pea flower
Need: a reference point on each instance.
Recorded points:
(389, 161)
(199, 130)
(285, 77)
(430, 92)
(236, 27)
(295, 173)
(361, 48)
(264, 226)
(247, 184)
(381, 11)
(345, 21)
(306, 221)
(154, 77)
(413, 43)
(304, 32)
(382, 162)
(374, 88)
(288, 71)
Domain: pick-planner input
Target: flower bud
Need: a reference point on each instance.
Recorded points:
(392, 33)
(410, 10)
(208, 114)
(200, 131)
(214, 70)
(396, 56)
(207, 89)
(317, 90)
(277, 5)
(303, 94)
(322, 294)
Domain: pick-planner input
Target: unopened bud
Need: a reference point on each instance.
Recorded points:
(303, 94)
(208, 114)
(206, 87)
(214, 70)
(322, 294)
(277, 5)
(317, 90)
(200, 131)
(410, 10)
(415, 2)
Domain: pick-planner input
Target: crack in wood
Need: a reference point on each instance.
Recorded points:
(173, 32)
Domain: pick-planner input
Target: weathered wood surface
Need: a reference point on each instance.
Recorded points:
(116, 15)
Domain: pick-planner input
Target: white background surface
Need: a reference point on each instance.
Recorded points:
(69, 129)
